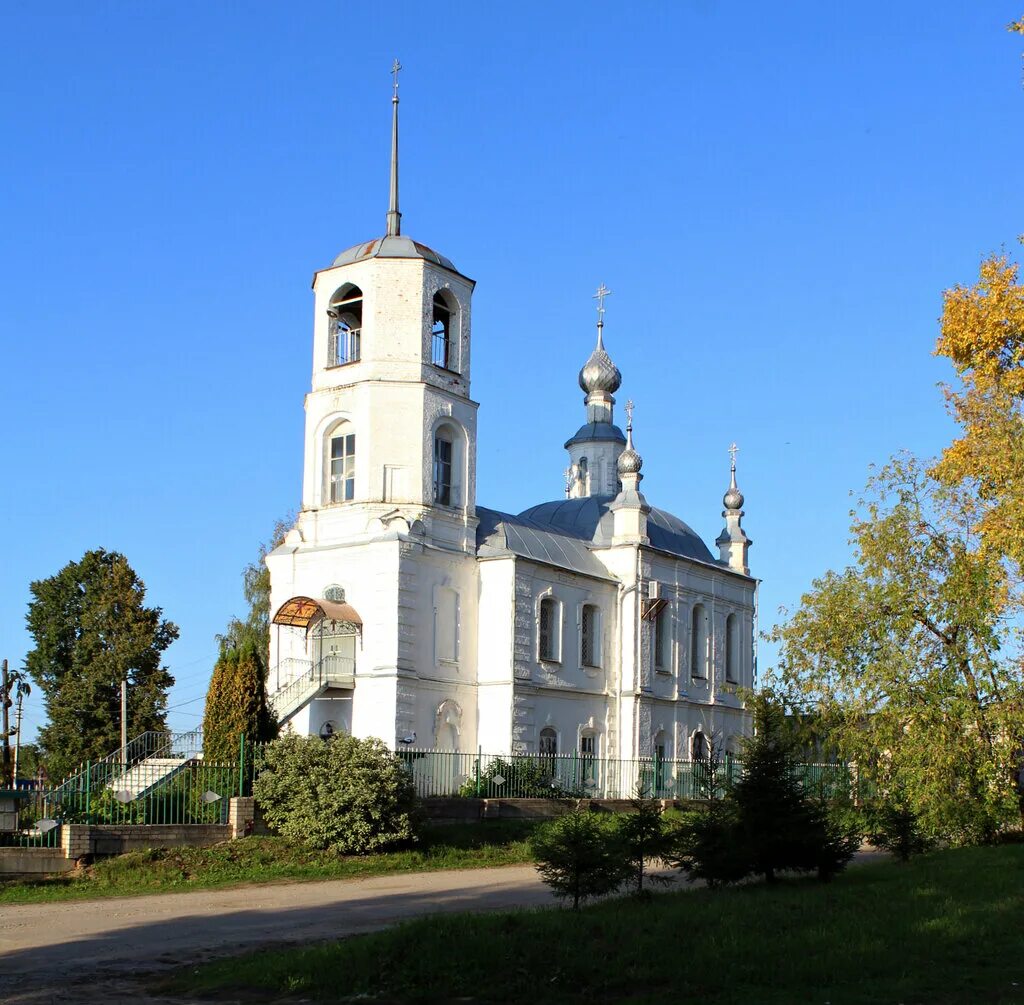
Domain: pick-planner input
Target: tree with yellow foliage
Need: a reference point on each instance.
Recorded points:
(982, 334)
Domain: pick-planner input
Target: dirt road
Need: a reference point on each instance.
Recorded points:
(77, 952)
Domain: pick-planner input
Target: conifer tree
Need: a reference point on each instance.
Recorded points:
(92, 630)
(236, 705)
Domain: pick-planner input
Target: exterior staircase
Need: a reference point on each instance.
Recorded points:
(304, 680)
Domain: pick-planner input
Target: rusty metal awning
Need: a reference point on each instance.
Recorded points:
(300, 611)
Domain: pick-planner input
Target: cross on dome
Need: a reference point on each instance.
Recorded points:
(395, 67)
(602, 292)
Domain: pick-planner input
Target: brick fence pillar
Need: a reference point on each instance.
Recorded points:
(76, 841)
(241, 816)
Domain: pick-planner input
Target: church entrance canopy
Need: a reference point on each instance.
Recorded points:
(300, 612)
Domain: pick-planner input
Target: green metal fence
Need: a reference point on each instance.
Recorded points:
(517, 776)
(159, 778)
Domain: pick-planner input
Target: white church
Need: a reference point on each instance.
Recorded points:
(594, 623)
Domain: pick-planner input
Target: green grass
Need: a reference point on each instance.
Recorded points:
(268, 859)
(944, 929)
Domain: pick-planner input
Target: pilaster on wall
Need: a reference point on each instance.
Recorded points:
(241, 816)
(75, 840)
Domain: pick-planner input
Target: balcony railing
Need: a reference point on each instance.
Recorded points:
(303, 680)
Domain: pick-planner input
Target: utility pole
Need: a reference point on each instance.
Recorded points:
(5, 700)
(23, 689)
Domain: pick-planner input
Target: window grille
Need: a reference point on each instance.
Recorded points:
(548, 644)
(589, 642)
(548, 742)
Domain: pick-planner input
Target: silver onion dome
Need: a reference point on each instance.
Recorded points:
(733, 499)
(599, 373)
(630, 462)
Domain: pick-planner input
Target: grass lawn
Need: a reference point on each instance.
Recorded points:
(265, 859)
(948, 928)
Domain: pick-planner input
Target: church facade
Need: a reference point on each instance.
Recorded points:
(594, 623)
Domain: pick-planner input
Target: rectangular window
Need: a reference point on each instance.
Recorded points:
(589, 641)
(343, 468)
(442, 471)
(662, 641)
(549, 641)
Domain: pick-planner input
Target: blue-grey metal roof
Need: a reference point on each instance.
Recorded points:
(590, 519)
(596, 431)
(398, 246)
(501, 534)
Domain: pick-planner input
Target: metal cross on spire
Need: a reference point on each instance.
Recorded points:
(629, 413)
(394, 217)
(602, 292)
(733, 450)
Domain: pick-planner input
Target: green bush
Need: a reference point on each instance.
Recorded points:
(766, 823)
(523, 778)
(895, 827)
(351, 796)
(643, 836)
(579, 856)
(704, 846)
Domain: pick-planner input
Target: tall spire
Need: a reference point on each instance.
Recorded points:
(394, 217)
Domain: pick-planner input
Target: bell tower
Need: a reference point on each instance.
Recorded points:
(390, 441)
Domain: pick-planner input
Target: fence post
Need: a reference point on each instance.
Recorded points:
(88, 794)
(241, 764)
(479, 758)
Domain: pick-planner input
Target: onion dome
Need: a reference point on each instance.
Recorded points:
(630, 462)
(599, 373)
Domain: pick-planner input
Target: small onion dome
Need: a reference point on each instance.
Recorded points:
(733, 499)
(599, 373)
(630, 462)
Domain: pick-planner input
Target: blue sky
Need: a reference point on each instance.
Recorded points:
(776, 194)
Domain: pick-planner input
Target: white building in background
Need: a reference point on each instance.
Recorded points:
(594, 623)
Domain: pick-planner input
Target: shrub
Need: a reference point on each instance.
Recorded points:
(579, 856)
(347, 795)
(766, 823)
(705, 846)
(895, 827)
(522, 778)
(643, 835)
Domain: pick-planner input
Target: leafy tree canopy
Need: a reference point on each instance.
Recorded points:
(92, 630)
(982, 334)
(912, 656)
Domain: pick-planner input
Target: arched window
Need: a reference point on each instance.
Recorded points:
(345, 317)
(699, 642)
(548, 743)
(341, 456)
(732, 649)
(583, 475)
(699, 749)
(443, 454)
(549, 641)
(442, 345)
(663, 639)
